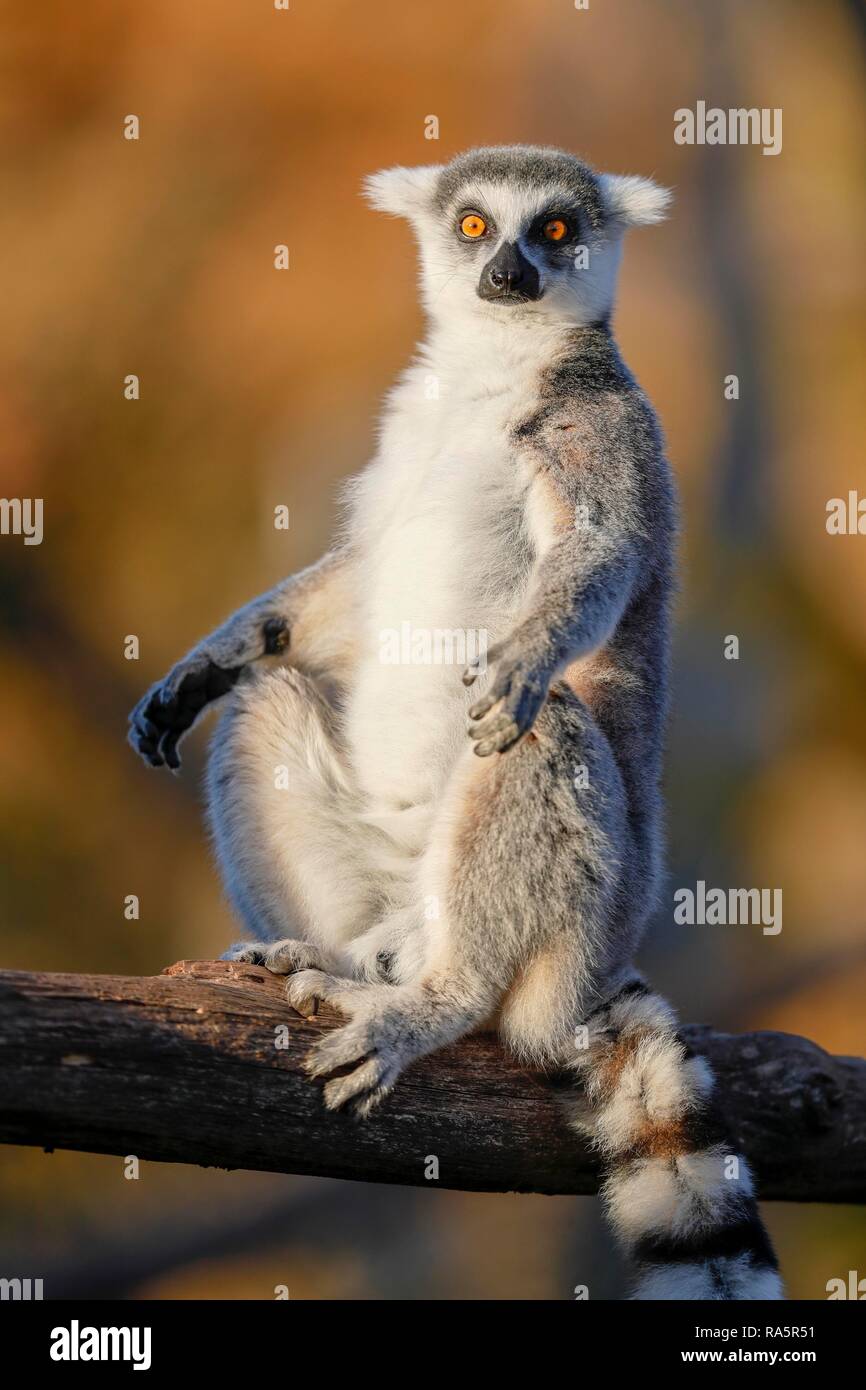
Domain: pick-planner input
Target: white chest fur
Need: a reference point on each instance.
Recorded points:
(443, 520)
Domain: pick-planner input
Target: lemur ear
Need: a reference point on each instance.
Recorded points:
(634, 201)
(404, 192)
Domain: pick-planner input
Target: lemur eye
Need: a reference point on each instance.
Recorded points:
(555, 229)
(472, 225)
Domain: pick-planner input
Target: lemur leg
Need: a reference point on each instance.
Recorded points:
(285, 816)
(523, 865)
(540, 880)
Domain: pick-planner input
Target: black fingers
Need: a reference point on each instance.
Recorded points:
(161, 719)
(521, 698)
(168, 711)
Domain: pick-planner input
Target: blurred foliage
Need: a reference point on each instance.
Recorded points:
(258, 388)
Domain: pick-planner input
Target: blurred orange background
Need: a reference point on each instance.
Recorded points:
(260, 387)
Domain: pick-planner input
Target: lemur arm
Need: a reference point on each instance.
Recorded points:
(306, 620)
(577, 596)
(582, 583)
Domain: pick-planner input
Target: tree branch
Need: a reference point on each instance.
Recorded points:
(183, 1068)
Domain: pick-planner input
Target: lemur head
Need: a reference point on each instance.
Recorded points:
(518, 230)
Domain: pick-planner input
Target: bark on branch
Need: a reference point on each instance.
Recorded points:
(183, 1067)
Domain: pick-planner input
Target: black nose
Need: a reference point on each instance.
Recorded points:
(509, 276)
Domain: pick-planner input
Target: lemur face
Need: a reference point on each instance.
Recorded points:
(518, 230)
(516, 244)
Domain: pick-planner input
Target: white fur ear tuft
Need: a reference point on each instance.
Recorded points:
(635, 201)
(404, 192)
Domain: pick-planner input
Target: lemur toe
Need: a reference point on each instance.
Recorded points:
(251, 953)
(490, 727)
(144, 736)
(484, 705)
(280, 957)
(307, 987)
(168, 749)
(495, 735)
(361, 1090)
(338, 1049)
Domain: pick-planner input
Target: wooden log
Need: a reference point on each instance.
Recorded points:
(184, 1067)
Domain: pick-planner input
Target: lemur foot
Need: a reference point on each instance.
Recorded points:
(280, 957)
(381, 954)
(170, 708)
(377, 1042)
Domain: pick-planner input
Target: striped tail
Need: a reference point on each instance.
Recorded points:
(680, 1199)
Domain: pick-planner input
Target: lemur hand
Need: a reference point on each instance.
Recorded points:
(519, 684)
(171, 706)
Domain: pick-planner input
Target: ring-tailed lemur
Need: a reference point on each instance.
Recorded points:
(519, 491)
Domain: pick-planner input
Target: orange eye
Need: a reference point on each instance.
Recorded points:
(555, 229)
(473, 225)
